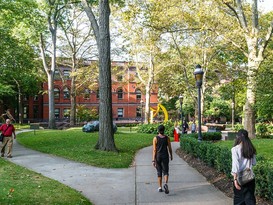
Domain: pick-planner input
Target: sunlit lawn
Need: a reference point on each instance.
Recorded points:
(19, 185)
(79, 146)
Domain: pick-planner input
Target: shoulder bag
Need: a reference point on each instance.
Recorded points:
(246, 175)
(2, 135)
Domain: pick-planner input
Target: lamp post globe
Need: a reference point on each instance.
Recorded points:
(198, 73)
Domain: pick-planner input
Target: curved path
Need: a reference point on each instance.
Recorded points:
(135, 185)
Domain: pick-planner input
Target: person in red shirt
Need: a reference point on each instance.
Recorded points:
(8, 131)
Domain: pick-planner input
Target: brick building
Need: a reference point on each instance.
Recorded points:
(127, 95)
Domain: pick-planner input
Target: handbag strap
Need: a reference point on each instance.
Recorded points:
(250, 163)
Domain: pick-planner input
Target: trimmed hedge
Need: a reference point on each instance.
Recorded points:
(207, 136)
(219, 157)
(169, 128)
(152, 128)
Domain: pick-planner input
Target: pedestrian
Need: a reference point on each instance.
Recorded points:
(185, 127)
(162, 150)
(176, 132)
(243, 156)
(8, 131)
(193, 127)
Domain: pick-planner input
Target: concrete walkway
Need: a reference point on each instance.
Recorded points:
(135, 185)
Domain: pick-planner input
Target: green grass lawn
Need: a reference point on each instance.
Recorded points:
(264, 147)
(19, 185)
(79, 146)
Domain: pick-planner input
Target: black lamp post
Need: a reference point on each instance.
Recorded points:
(181, 103)
(198, 73)
(141, 104)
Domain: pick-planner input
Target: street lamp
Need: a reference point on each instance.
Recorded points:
(141, 104)
(198, 73)
(181, 103)
(232, 114)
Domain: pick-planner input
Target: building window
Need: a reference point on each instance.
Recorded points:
(138, 94)
(36, 111)
(57, 74)
(98, 94)
(120, 93)
(57, 113)
(138, 112)
(56, 93)
(25, 110)
(66, 112)
(86, 93)
(120, 112)
(35, 98)
(119, 78)
(66, 93)
(66, 74)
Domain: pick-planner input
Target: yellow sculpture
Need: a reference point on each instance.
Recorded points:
(159, 106)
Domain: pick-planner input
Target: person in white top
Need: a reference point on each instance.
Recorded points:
(243, 156)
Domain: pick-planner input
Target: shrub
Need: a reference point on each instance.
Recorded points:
(152, 128)
(238, 127)
(262, 130)
(219, 157)
(207, 136)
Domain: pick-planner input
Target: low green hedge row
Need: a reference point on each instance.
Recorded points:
(219, 157)
(207, 136)
(152, 128)
(169, 128)
(211, 153)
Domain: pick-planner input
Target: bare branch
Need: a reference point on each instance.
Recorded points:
(266, 41)
(92, 18)
(42, 49)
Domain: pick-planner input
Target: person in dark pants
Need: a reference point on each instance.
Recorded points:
(243, 156)
(185, 127)
(162, 150)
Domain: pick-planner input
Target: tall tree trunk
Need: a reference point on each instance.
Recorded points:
(249, 112)
(73, 92)
(73, 103)
(106, 133)
(51, 104)
(20, 102)
(147, 104)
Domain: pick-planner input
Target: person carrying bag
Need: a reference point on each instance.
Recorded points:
(8, 131)
(243, 158)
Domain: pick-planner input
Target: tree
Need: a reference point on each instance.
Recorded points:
(53, 12)
(19, 74)
(256, 30)
(76, 44)
(102, 36)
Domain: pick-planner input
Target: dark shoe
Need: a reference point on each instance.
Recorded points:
(9, 156)
(2, 155)
(166, 189)
(160, 189)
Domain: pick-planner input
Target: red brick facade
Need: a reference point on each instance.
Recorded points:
(126, 96)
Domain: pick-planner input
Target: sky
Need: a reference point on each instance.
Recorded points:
(265, 5)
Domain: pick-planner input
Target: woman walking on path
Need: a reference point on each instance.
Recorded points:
(243, 156)
(162, 150)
